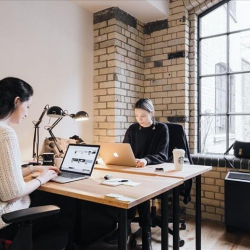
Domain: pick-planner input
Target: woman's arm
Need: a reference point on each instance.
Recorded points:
(12, 185)
(32, 185)
(38, 168)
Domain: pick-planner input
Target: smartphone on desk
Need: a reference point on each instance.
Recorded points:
(159, 169)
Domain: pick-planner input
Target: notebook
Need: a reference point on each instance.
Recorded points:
(117, 154)
(78, 162)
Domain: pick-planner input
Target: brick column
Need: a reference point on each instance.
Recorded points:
(119, 72)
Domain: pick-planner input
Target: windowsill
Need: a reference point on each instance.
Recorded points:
(218, 160)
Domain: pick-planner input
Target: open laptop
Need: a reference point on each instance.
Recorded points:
(78, 162)
(120, 154)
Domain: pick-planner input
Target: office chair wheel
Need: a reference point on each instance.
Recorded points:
(182, 243)
(183, 226)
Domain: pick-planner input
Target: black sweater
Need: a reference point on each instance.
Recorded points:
(148, 143)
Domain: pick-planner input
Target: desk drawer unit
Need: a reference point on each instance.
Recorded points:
(237, 201)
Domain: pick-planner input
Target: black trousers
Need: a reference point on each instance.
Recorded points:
(144, 214)
(64, 220)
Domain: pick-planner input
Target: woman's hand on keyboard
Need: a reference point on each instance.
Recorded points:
(47, 175)
(40, 168)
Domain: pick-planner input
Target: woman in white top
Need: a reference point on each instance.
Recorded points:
(15, 100)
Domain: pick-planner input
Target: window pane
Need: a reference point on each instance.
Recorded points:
(240, 91)
(239, 128)
(210, 141)
(214, 22)
(213, 95)
(239, 51)
(212, 52)
(239, 15)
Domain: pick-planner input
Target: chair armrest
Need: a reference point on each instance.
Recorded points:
(29, 214)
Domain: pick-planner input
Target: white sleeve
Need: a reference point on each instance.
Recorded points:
(11, 178)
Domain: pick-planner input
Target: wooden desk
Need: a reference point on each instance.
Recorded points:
(188, 172)
(91, 190)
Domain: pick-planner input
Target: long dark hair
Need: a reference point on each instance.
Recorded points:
(10, 88)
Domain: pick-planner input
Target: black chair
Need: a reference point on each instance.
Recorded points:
(177, 139)
(54, 240)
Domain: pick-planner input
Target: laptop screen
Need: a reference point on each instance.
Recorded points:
(80, 158)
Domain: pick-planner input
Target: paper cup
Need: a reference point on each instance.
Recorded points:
(178, 155)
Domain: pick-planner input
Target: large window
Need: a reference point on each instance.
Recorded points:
(224, 76)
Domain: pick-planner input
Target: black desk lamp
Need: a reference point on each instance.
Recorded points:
(36, 136)
(58, 113)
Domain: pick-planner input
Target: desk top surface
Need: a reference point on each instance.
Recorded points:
(91, 189)
(188, 172)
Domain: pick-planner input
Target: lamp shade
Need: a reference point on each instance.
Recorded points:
(55, 112)
(81, 116)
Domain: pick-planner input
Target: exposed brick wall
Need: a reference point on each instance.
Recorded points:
(212, 195)
(119, 76)
(166, 66)
(134, 62)
(162, 65)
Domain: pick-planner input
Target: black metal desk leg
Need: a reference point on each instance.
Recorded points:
(198, 212)
(176, 218)
(78, 222)
(164, 218)
(122, 229)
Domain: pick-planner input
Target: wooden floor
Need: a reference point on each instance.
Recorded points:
(214, 237)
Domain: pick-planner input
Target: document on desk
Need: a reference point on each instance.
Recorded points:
(111, 183)
(119, 181)
(131, 183)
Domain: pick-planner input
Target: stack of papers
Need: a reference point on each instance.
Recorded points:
(120, 197)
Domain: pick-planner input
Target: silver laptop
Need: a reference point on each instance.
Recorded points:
(117, 154)
(78, 162)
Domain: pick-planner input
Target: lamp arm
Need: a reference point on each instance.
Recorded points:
(55, 141)
(53, 136)
(36, 135)
(36, 145)
(54, 124)
(41, 116)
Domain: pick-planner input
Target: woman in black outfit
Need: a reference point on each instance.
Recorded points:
(149, 141)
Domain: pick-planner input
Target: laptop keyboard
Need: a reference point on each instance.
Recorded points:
(71, 175)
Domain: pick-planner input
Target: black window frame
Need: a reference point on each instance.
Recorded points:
(228, 74)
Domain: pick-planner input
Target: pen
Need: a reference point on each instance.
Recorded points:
(123, 180)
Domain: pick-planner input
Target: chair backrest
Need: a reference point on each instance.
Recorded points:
(177, 139)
